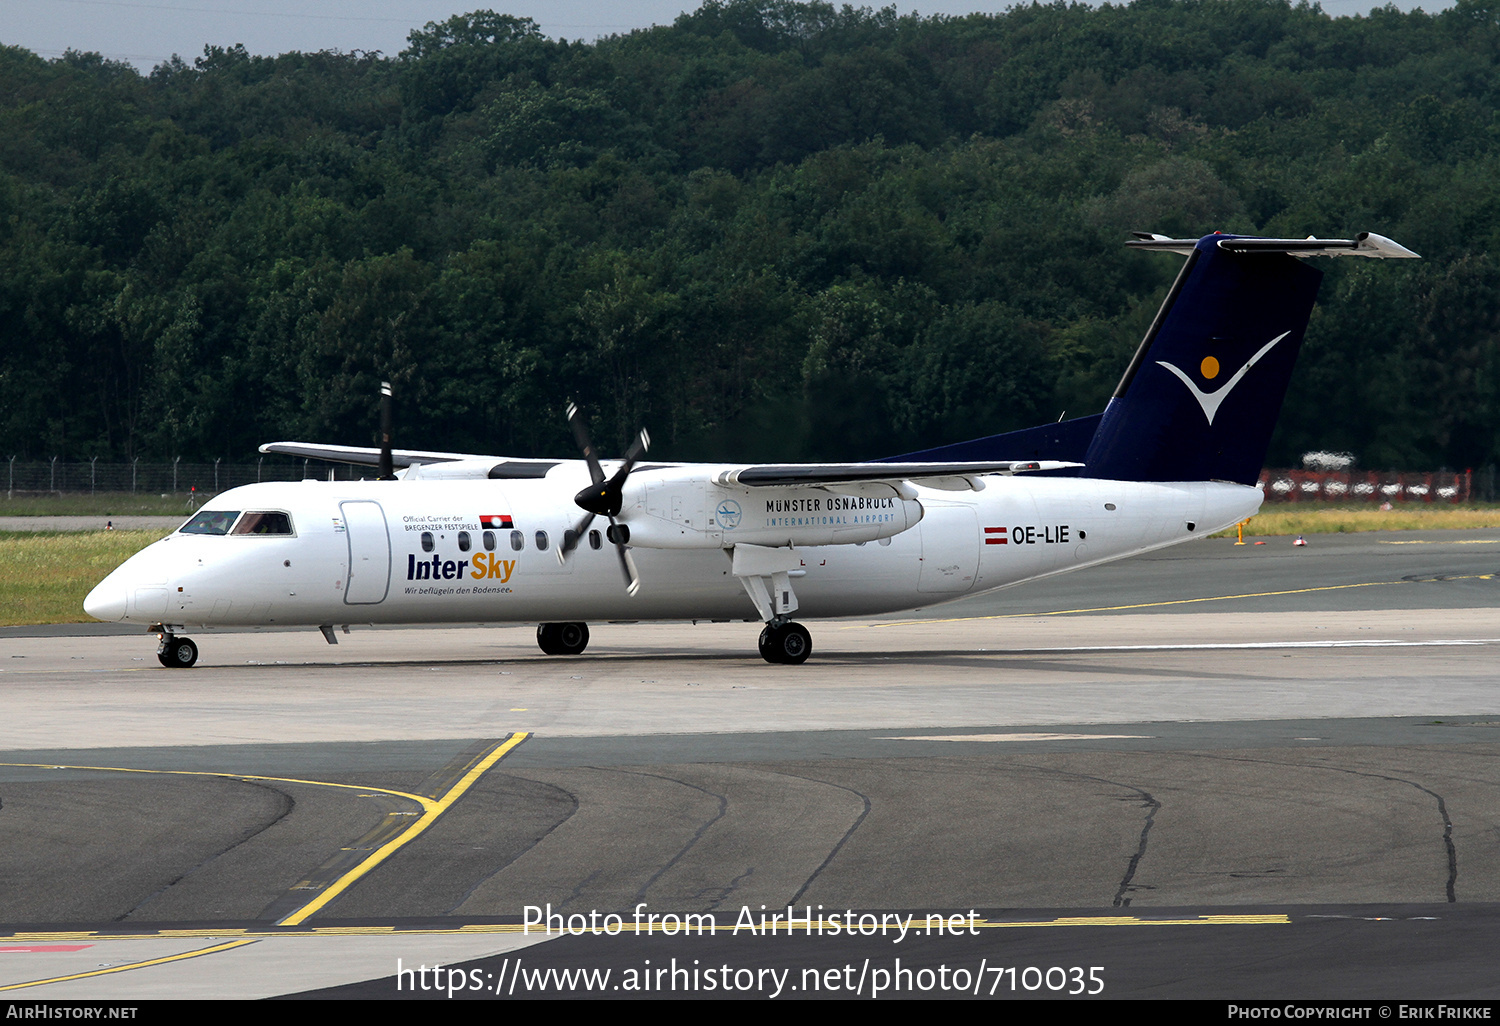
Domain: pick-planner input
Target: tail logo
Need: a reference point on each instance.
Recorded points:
(1210, 401)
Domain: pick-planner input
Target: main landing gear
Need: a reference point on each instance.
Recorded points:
(785, 642)
(562, 638)
(176, 653)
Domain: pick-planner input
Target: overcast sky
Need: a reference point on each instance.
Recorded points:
(147, 32)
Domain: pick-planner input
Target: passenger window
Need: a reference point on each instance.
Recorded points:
(517, 540)
(594, 540)
(463, 541)
(264, 523)
(541, 541)
(489, 541)
(216, 521)
(427, 545)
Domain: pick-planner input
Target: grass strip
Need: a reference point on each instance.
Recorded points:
(104, 504)
(44, 575)
(1321, 519)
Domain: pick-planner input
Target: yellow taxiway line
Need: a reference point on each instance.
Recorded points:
(432, 808)
(212, 949)
(628, 925)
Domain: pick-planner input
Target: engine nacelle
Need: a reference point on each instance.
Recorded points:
(672, 509)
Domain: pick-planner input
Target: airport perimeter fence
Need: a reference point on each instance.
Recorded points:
(177, 478)
(201, 480)
(1345, 486)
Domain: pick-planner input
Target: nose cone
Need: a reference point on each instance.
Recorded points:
(107, 601)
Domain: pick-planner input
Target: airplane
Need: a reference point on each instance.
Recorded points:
(442, 537)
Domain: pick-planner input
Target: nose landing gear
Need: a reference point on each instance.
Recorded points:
(177, 653)
(787, 642)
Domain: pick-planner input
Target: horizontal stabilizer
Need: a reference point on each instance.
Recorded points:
(1365, 244)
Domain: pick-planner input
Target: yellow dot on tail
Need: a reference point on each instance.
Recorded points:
(1209, 367)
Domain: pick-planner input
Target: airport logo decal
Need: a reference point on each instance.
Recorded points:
(1209, 368)
(729, 514)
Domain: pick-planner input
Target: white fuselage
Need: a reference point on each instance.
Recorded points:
(391, 552)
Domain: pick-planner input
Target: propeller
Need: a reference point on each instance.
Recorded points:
(604, 497)
(387, 465)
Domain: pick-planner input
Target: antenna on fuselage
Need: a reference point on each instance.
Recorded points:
(387, 464)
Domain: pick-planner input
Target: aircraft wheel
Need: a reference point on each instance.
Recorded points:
(572, 638)
(790, 643)
(562, 638)
(546, 638)
(178, 653)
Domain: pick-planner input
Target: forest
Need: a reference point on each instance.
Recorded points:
(769, 230)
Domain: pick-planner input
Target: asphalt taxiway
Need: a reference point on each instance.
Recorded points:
(1250, 753)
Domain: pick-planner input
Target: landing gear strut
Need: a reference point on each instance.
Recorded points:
(785, 643)
(562, 638)
(176, 653)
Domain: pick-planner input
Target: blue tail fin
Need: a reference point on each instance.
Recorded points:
(1201, 397)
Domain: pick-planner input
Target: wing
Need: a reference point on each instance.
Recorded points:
(367, 457)
(464, 464)
(949, 476)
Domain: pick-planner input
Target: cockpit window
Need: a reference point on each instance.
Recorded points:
(210, 521)
(264, 523)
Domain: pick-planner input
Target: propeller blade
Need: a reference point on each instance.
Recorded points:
(387, 471)
(640, 445)
(581, 432)
(630, 572)
(571, 537)
(627, 564)
(604, 498)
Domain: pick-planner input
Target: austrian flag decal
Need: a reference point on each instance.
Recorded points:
(495, 523)
(994, 536)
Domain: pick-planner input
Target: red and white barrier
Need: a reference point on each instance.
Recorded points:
(1366, 486)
